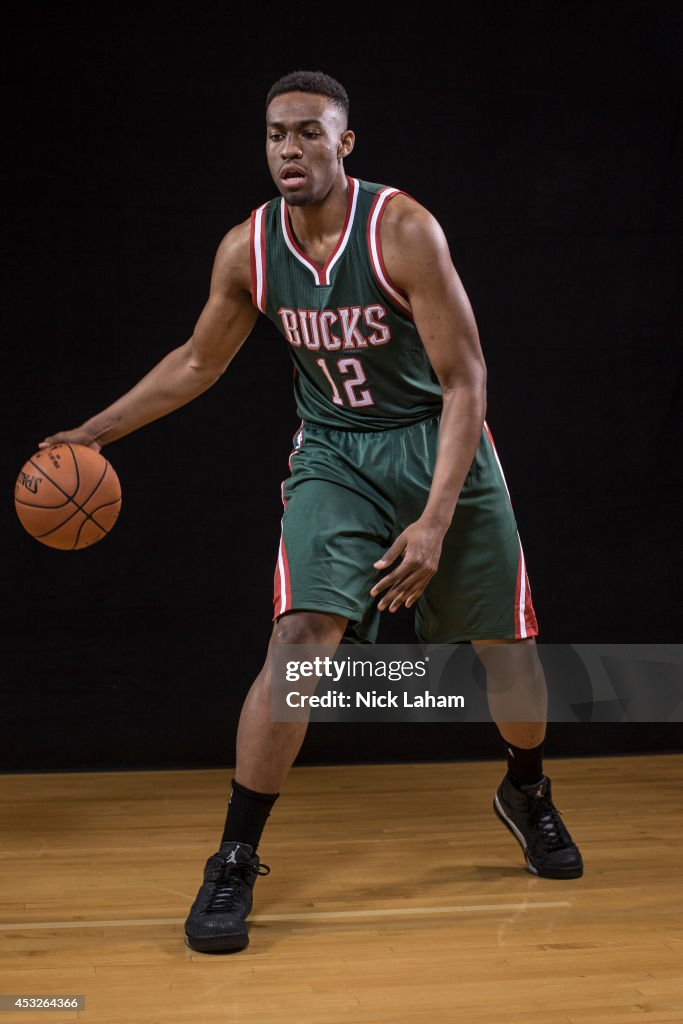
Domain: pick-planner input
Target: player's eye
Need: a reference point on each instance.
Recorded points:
(310, 134)
(276, 136)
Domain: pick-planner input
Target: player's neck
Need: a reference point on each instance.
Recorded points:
(317, 227)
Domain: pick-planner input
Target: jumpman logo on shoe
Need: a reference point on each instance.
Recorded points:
(232, 859)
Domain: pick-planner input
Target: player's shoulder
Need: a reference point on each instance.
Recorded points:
(232, 262)
(235, 243)
(233, 256)
(233, 248)
(407, 222)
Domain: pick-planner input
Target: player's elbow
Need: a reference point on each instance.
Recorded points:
(203, 366)
(466, 390)
(471, 378)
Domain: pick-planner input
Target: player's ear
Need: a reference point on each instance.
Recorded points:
(345, 144)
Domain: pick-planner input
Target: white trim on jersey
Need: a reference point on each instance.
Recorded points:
(321, 275)
(259, 257)
(375, 248)
(353, 185)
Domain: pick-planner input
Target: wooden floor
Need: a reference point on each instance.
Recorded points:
(395, 896)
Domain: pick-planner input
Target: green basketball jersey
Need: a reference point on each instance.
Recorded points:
(359, 361)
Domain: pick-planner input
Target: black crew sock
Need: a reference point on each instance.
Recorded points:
(247, 815)
(525, 766)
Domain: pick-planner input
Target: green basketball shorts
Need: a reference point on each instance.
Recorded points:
(350, 494)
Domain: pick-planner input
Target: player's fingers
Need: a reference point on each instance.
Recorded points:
(398, 600)
(70, 437)
(395, 597)
(402, 576)
(63, 437)
(392, 553)
(411, 589)
(394, 579)
(386, 581)
(391, 601)
(412, 597)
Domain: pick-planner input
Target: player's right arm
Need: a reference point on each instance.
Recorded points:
(187, 371)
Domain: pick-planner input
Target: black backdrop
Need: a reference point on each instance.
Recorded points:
(546, 139)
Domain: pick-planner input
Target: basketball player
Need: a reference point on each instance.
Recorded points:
(393, 462)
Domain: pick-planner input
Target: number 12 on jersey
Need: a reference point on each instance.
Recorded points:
(346, 367)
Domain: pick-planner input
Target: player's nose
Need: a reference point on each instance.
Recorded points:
(291, 148)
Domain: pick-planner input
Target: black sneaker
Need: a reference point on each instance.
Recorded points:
(216, 922)
(535, 822)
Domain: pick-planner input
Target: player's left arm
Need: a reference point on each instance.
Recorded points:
(418, 260)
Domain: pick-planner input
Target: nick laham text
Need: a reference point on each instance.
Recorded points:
(373, 699)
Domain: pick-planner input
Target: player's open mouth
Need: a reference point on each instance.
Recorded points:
(293, 176)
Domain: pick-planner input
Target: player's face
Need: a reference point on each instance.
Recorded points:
(306, 140)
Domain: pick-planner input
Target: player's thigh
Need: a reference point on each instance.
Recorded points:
(480, 590)
(472, 596)
(331, 536)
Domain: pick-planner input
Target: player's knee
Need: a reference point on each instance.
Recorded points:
(308, 628)
(515, 681)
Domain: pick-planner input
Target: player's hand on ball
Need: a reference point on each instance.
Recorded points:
(419, 548)
(67, 495)
(77, 436)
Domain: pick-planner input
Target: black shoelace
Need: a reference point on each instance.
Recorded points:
(545, 816)
(231, 892)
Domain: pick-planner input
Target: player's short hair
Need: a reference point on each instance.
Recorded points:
(311, 81)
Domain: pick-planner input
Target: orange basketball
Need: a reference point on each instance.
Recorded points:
(67, 496)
